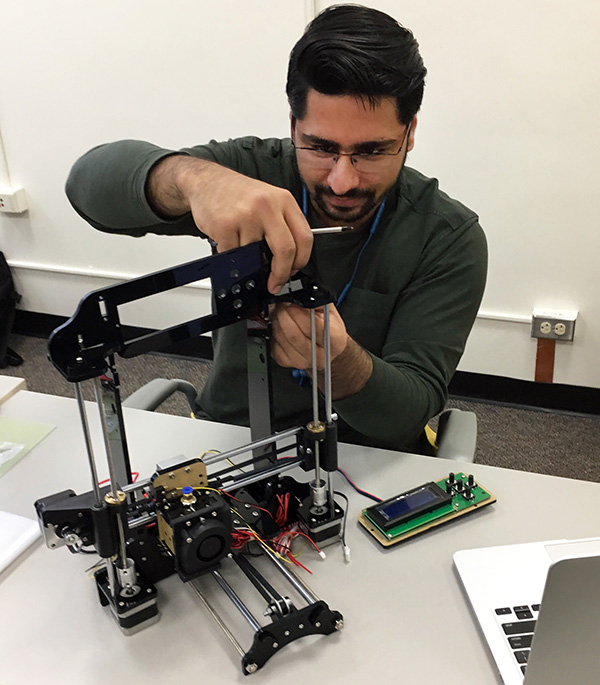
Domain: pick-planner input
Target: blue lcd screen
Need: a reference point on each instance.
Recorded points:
(404, 504)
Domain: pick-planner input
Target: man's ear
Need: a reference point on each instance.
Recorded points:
(293, 127)
(411, 135)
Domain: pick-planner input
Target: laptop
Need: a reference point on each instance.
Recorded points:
(538, 607)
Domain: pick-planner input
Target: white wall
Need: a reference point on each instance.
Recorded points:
(508, 125)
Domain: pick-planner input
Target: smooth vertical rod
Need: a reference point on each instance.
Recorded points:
(327, 383)
(313, 350)
(88, 441)
(109, 459)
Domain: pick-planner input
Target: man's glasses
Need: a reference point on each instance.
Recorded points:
(364, 162)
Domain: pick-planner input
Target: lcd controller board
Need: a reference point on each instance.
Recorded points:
(424, 507)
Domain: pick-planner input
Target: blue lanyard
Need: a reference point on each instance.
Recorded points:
(374, 227)
(301, 374)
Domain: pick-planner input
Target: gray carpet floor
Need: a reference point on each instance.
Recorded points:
(512, 437)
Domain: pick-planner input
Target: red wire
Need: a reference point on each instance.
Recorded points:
(242, 502)
(299, 532)
(295, 561)
(135, 475)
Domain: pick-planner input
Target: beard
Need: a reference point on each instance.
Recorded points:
(350, 215)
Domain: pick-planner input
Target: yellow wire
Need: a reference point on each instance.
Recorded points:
(237, 513)
(199, 487)
(209, 452)
(257, 536)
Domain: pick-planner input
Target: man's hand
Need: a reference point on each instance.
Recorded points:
(233, 210)
(351, 365)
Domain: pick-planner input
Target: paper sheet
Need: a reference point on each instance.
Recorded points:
(17, 438)
(17, 533)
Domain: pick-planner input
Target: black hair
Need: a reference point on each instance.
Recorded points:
(356, 50)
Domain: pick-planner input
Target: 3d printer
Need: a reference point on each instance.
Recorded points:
(184, 519)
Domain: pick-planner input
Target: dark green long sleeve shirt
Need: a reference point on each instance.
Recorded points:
(412, 303)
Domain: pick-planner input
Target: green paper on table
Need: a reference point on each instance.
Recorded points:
(17, 438)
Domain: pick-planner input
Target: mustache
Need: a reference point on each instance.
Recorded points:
(352, 194)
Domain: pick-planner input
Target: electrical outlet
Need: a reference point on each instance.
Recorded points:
(13, 200)
(553, 324)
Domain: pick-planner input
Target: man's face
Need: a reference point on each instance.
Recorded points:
(343, 192)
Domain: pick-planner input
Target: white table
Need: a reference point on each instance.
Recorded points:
(406, 619)
(9, 385)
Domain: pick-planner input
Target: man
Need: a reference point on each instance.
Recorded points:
(409, 278)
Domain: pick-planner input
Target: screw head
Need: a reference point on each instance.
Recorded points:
(251, 668)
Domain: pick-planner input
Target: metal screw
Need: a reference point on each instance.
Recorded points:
(251, 668)
(275, 645)
(318, 624)
(236, 289)
(188, 524)
(250, 284)
(254, 513)
(339, 624)
(301, 626)
(171, 475)
(188, 540)
(286, 633)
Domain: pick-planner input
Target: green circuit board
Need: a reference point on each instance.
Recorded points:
(462, 495)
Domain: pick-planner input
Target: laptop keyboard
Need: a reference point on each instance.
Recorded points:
(518, 624)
